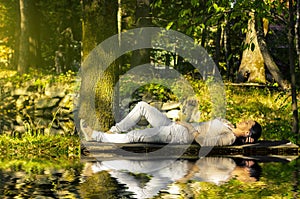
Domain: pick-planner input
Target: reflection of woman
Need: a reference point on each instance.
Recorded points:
(247, 170)
(215, 132)
(124, 171)
(219, 170)
(216, 170)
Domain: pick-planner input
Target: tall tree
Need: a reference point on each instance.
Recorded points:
(291, 38)
(268, 59)
(297, 37)
(23, 59)
(252, 67)
(34, 34)
(143, 19)
(99, 23)
(29, 55)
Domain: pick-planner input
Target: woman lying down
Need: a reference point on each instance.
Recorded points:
(216, 132)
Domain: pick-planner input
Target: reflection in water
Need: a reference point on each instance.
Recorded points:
(217, 170)
(209, 177)
(31, 178)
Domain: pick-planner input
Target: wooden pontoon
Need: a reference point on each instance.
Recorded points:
(107, 151)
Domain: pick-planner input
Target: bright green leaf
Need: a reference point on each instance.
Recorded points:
(169, 25)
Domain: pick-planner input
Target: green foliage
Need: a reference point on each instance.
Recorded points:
(201, 20)
(198, 19)
(35, 77)
(156, 92)
(42, 146)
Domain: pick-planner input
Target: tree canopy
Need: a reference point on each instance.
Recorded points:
(55, 29)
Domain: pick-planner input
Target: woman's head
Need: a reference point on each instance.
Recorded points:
(249, 130)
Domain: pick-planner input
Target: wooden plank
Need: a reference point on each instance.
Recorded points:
(151, 150)
(263, 159)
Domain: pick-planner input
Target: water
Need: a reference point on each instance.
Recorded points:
(209, 177)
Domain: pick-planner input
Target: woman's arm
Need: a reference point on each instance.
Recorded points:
(189, 127)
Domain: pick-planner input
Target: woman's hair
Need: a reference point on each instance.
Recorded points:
(256, 131)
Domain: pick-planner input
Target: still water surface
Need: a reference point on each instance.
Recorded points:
(209, 177)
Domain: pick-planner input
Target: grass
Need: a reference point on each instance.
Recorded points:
(271, 108)
(41, 146)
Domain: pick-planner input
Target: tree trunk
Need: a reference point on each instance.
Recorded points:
(252, 68)
(143, 19)
(34, 35)
(269, 62)
(292, 67)
(227, 51)
(23, 57)
(297, 28)
(218, 46)
(99, 23)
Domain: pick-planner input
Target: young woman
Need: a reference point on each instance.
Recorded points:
(217, 132)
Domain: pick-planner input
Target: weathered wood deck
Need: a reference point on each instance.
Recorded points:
(106, 151)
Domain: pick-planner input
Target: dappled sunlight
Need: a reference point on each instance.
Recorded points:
(4, 73)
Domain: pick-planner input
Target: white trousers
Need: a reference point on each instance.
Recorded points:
(163, 130)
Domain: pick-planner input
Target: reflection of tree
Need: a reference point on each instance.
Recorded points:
(36, 178)
(99, 184)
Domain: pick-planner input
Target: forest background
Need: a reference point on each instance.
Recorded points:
(253, 43)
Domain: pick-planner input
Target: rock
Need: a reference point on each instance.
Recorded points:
(53, 131)
(170, 105)
(20, 91)
(173, 114)
(41, 122)
(66, 102)
(39, 112)
(157, 105)
(34, 96)
(67, 126)
(48, 114)
(46, 103)
(62, 111)
(55, 91)
(19, 119)
(6, 89)
(19, 129)
(20, 103)
(8, 85)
